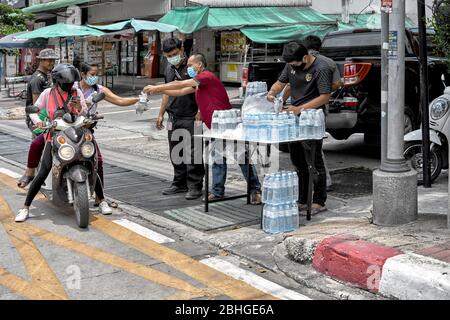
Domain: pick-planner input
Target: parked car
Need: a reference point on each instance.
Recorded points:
(356, 107)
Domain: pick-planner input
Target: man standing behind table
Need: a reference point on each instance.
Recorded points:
(182, 112)
(210, 95)
(310, 78)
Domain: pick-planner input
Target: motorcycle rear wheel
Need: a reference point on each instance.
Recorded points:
(81, 204)
(413, 155)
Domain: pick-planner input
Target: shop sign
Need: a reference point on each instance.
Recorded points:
(232, 72)
(393, 45)
(233, 41)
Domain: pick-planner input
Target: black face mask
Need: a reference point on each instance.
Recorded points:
(299, 67)
(66, 86)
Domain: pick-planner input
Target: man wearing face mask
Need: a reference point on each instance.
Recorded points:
(210, 95)
(310, 79)
(182, 112)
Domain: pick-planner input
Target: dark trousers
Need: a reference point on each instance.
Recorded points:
(186, 173)
(298, 157)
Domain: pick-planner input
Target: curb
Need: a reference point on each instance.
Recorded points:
(379, 269)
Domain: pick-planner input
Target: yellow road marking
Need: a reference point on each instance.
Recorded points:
(12, 183)
(233, 288)
(24, 288)
(21, 233)
(215, 280)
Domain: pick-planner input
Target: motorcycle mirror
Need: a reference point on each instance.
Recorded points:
(98, 97)
(67, 117)
(32, 109)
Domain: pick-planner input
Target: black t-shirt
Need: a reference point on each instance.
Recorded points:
(38, 83)
(184, 106)
(308, 84)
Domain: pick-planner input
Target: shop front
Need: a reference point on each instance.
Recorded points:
(251, 34)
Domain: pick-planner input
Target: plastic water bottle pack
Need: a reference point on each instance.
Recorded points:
(280, 194)
(223, 120)
(255, 88)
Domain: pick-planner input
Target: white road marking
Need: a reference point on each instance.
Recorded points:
(145, 232)
(10, 173)
(252, 279)
(125, 111)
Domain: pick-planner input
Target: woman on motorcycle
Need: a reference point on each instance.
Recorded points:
(89, 86)
(61, 98)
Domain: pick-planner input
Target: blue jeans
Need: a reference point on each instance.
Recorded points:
(219, 176)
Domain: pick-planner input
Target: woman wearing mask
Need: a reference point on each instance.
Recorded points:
(61, 97)
(89, 86)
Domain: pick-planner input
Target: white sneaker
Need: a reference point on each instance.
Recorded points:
(22, 215)
(104, 208)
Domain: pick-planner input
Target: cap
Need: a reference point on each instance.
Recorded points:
(47, 54)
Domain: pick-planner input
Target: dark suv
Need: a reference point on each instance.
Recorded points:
(356, 107)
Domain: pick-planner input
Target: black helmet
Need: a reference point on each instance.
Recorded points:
(65, 73)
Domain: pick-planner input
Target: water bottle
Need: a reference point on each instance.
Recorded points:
(290, 187)
(321, 117)
(295, 186)
(288, 225)
(215, 122)
(317, 124)
(221, 122)
(284, 188)
(310, 125)
(303, 123)
(294, 215)
(276, 189)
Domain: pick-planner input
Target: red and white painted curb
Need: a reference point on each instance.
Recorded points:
(384, 270)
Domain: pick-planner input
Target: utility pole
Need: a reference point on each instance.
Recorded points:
(424, 97)
(395, 184)
(384, 85)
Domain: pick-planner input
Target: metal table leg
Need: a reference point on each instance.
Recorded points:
(311, 170)
(207, 143)
(247, 164)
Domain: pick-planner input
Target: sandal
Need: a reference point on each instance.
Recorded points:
(314, 211)
(24, 181)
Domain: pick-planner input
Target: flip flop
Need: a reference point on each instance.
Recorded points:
(24, 181)
(314, 211)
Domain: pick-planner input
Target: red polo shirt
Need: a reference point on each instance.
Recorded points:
(210, 96)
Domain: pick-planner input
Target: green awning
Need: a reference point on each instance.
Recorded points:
(191, 19)
(61, 30)
(137, 25)
(188, 20)
(285, 33)
(52, 5)
(235, 18)
(369, 21)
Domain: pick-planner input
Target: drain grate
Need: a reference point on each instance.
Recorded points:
(351, 183)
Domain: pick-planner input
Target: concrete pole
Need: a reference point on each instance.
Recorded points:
(345, 12)
(384, 85)
(395, 186)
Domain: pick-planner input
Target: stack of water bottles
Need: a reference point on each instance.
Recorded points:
(223, 120)
(255, 87)
(280, 194)
(273, 127)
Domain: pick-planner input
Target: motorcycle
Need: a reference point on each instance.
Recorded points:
(439, 116)
(74, 170)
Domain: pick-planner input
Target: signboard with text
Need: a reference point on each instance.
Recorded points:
(386, 6)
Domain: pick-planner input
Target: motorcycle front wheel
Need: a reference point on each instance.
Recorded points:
(414, 156)
(81, 204)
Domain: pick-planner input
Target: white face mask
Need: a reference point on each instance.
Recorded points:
(175, 60)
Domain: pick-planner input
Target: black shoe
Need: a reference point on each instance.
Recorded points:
(174, 190)
(194, 194)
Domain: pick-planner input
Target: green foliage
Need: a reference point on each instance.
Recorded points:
(441, 24)
(12, 20)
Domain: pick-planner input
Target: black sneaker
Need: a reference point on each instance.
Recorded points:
(174, 190)
(194, 194)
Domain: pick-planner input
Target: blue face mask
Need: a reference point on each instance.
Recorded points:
(91, 81)
(191, 72)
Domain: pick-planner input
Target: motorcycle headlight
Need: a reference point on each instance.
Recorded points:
(439, 108)
(66, 152)
(87, 149)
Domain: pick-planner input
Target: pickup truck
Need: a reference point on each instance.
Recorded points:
(356, 107)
